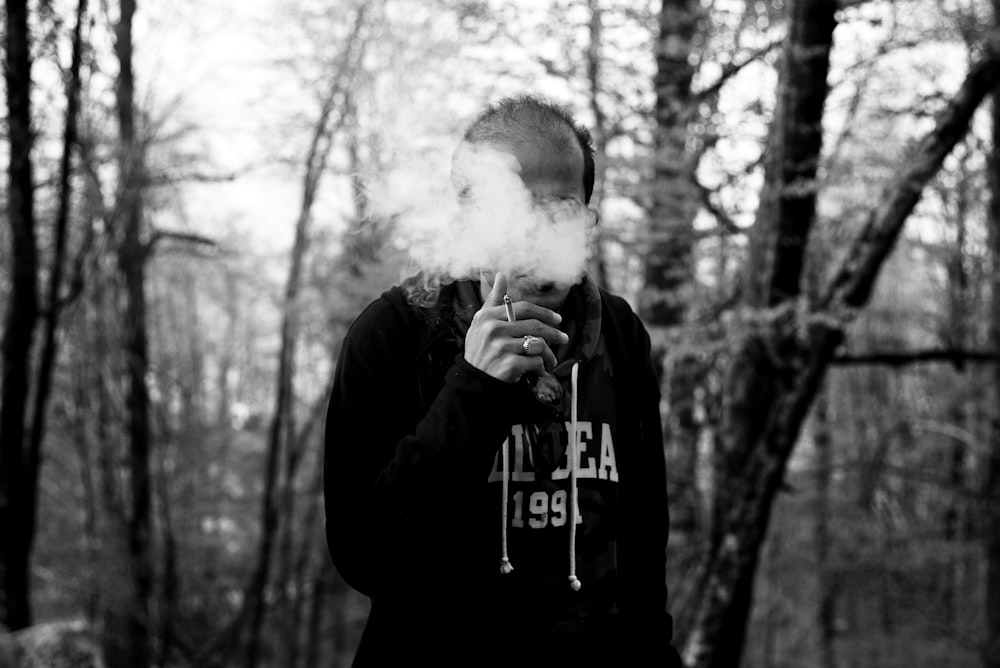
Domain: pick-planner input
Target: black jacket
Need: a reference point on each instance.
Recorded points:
(406, 512)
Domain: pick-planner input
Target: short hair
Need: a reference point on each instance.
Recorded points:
(541, 119)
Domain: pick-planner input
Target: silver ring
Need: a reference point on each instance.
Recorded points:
(528, 340)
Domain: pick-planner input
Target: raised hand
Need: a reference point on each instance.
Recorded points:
(497, 347)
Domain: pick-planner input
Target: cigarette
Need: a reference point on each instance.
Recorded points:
(510, 308)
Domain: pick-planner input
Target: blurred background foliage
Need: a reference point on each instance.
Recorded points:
(231, 228)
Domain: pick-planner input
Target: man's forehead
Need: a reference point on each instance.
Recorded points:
(531, 159)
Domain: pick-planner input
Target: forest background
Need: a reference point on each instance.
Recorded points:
(800, 198)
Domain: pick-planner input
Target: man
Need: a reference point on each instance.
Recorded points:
(494, 471)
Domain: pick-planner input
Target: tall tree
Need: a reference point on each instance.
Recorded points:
(668, 269)
(593, 56)
(19, 326)
(132, 254)
(668, 265)
(334, 107)
(991, 491)
(780, 363)
(788, 209)
(56, 301)
(786, 214)
(827, 578)
(956, 336)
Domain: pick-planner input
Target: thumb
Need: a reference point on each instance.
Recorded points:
(495, 298)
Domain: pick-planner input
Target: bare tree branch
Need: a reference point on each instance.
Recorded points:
(731, 70)
(705, 196)
(898, 359)
(854, 280)
(177, 235)
(195, 177)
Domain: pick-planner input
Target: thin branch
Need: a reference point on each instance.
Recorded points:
(88, 161)
(731, 70)
(177, 235)
(554, 70)
(898, 359)
(852, 285)
(75, 281)
(705, 195)
(629, 239)
(195, 177)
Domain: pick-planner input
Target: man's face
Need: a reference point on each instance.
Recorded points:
(556, 185)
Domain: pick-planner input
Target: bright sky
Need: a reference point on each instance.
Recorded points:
(215, 63)
(217, 66)
(207, 60)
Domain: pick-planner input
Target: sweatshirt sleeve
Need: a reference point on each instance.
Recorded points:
(386, 482)
(646, 527)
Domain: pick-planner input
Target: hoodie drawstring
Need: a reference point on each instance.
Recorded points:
(505, 566)
(574, 582)
(571, 454)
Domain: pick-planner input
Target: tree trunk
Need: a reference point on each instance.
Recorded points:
(281, 427)
(132, 254)
(98, 384)
(777, 372)
(756, 377)
(956, 334)
(170, 586)
(770, 603)
(599, 133)
(685, 372)
(294, 566)
(668, 268)
(802, 93)
(282, 431)
(82, 444)
(22, 312)
(826, 611)
(304, 566)
(787, 207)
(363, 238)
(43, 378)
(991, 491)
(317, 613)
(87, 362)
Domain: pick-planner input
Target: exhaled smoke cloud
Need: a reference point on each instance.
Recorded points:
(495, 225)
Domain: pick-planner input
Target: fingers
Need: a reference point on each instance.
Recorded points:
(551, 335)
(548, 357)
(536, 347)
(527, 364)
(495, 298)
(532, 345)
(514, 366)
(495, 345)
(528, 310)
(522, 310)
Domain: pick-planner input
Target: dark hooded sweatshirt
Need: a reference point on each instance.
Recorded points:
(414, 494)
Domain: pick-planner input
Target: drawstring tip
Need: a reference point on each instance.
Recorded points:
(574, 583)
(505, 566)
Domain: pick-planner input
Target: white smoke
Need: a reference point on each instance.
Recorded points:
(496, 226)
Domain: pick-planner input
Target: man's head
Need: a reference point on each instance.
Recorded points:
(532, 127)
(555, 162)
